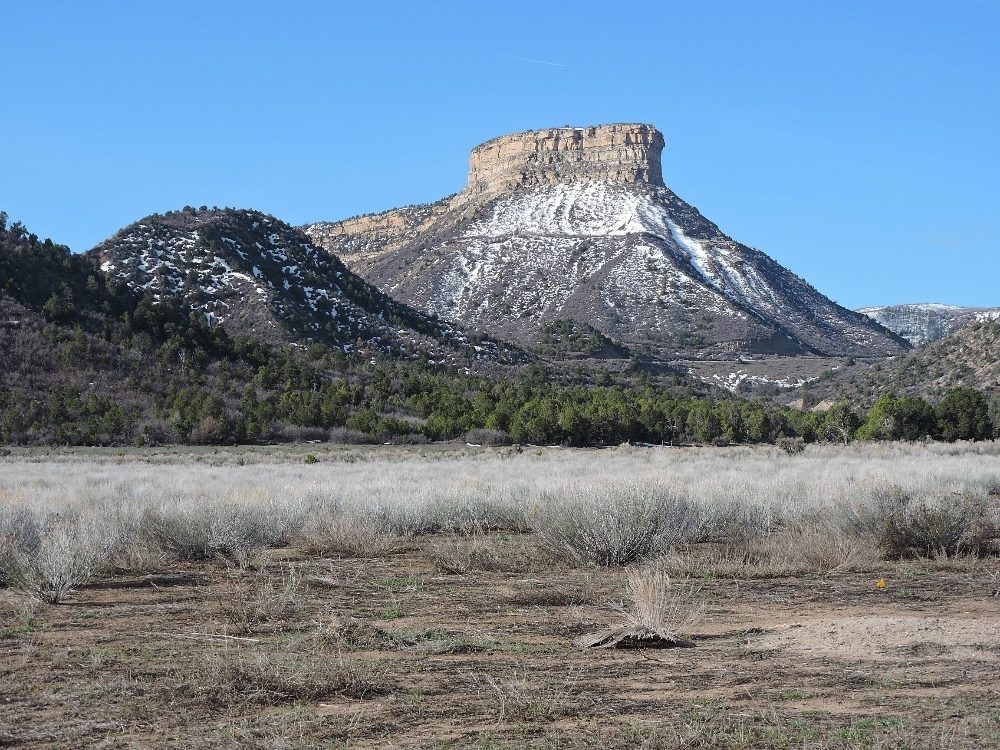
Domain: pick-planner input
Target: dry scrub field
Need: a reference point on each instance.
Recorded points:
(432, 597)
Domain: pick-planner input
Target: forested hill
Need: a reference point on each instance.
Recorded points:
(88, 357)
(263, 279)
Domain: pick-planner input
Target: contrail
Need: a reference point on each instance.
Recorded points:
(528, 59)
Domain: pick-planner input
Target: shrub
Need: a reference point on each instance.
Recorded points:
(488, 437)
(614, 527)
(964, 414)
(905, 527)
(343, 436)
(59, 554)
(20, 533)
(906, 418)
(236, 530)
(791, 446)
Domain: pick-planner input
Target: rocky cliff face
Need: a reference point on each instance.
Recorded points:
(926, 323)
(576, 223)
(560, 156)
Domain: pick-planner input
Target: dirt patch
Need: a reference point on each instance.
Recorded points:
(313, 652)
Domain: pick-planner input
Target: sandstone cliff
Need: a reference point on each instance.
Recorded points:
(612, 153)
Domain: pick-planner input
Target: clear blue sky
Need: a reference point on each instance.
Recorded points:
(858, 143)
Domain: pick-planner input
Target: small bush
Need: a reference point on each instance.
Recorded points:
(905, 527)
(20, 533)
(297, 434)
(488, 437)
(67, 552)
(343, 436)
(615, 527)
(184, 533)
(235, 530)
(791, 446)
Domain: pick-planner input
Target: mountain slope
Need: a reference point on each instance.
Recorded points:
(925, 323)
(577, 224)
(262, 279)
(969, 357)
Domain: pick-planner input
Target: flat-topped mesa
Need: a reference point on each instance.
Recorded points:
(624, 153)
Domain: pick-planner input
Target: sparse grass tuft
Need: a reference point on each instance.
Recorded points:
(658, 605)
(481, 552)
(260, 677)
(253, 603)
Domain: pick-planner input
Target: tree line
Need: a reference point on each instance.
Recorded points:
(123, 368)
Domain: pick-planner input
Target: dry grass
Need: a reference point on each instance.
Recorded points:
(468, 553)
(658, 605)
(345, 535)
(255, 603)
(782, 553)
(520, 698)
(304, 657)
(768, 512)
(239, 675)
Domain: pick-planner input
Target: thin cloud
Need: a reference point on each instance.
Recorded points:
(528, 59)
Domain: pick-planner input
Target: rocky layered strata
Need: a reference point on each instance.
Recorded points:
(610, 153)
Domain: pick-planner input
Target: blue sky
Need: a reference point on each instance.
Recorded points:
(855, 142)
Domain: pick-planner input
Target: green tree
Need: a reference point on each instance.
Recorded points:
(964, 414)
(906, 418)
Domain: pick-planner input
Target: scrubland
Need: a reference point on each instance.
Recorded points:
(430, 597)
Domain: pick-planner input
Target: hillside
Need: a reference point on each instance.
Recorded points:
(128, 355)
(262, 279)
(969, 357)
(577, 224)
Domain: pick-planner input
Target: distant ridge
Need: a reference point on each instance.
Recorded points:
(928, 322)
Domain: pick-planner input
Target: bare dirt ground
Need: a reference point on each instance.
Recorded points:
(319, 653)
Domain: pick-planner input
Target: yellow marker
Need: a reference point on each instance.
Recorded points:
(881, 583)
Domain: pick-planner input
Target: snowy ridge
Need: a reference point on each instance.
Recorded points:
(532, 255)
(263, 279)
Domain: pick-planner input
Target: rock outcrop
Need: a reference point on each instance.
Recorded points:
(613, 153)
(926, 323)
(576, 223)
